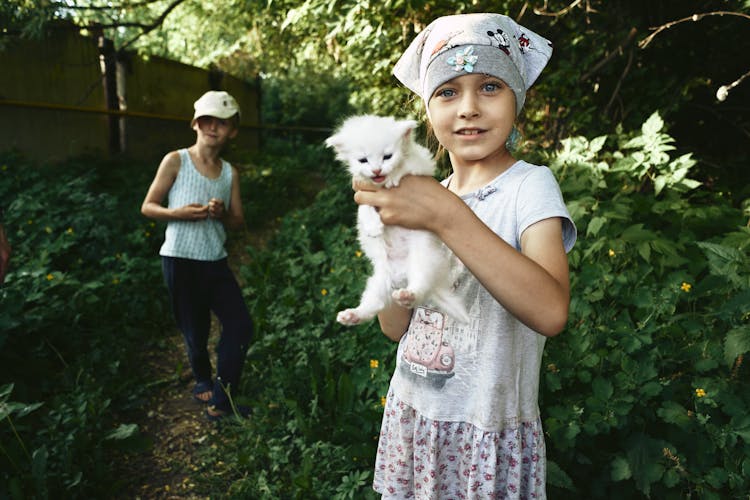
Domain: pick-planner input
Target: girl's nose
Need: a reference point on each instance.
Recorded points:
(468, 107)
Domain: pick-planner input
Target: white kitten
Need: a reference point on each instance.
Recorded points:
(410, 267)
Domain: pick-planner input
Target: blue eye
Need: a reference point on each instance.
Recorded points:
(363, 160)
(445, 93)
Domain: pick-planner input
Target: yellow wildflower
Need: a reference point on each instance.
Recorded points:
(50, 277)
(685, 287)
(374, 363)
(382, 401)
(70, 230)
(324, 292)
(612, 253)
(358, 253)
(700, 393)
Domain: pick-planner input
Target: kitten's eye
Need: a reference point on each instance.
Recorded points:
(387, 157)
(363, 160)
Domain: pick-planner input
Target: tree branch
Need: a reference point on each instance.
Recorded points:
(723, 92)
(619, 82)
(695, 17)
(562, 12)
(617, 50)
(129, 5)
(145, 28)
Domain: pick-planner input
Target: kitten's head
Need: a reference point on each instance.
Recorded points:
(372, 147)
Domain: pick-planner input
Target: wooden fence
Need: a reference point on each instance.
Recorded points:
(68, 95)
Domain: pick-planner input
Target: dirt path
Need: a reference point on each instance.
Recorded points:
(172, 421)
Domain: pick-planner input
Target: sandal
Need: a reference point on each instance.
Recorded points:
(217, 415)
(203, 389)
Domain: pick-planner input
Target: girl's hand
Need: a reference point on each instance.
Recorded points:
(419, 202)
(216, 208)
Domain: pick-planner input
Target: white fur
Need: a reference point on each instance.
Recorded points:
(410, 267)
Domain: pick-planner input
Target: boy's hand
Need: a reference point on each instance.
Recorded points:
(194, 211)
(216, 208)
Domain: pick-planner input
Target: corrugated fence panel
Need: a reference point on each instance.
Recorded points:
(62, 70)
(53, 103)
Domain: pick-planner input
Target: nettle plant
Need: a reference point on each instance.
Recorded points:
(645, 393)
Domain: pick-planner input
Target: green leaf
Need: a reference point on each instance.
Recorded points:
(644, 456)
(737, 342)
(602, 389)
(674, 413)
(595, 225)
(620, 469)
(557, 477)
(741, 427)
(39, 464)
(124, 431)
(653, 125)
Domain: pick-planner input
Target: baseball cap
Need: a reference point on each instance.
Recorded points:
(216, 103)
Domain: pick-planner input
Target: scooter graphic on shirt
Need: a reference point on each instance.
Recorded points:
(426, 354)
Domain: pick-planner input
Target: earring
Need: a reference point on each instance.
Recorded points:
(513, 140)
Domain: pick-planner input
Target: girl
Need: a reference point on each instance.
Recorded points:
(204, 197)
(471, 428)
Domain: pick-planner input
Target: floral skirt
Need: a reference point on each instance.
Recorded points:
(426, 459)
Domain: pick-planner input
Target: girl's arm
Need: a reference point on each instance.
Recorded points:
(532, 284)
(394, 320)
(165, 176)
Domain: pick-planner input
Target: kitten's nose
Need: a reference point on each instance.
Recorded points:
(376, 172)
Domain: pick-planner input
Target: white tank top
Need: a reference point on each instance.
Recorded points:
(203, 239)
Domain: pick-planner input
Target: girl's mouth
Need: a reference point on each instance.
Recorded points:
(469, 131)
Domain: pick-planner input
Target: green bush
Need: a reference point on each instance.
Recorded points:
(645, 393)
(80, 294)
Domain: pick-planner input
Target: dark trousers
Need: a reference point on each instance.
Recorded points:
(196, 288)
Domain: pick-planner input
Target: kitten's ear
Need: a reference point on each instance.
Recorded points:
(406, 127)
(335, 142)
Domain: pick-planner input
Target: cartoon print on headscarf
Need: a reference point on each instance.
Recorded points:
(422, 40)
(501, 39)
(443, 44)
(524, 42)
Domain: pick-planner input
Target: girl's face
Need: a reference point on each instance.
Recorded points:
(214, 131)
(472, 116)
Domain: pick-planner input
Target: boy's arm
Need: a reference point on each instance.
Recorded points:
(165, 176)
(234, 218)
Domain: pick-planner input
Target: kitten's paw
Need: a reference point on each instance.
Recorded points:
(348, 317)
(404, 297)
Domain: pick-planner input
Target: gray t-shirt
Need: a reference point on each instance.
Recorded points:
(485, 372)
